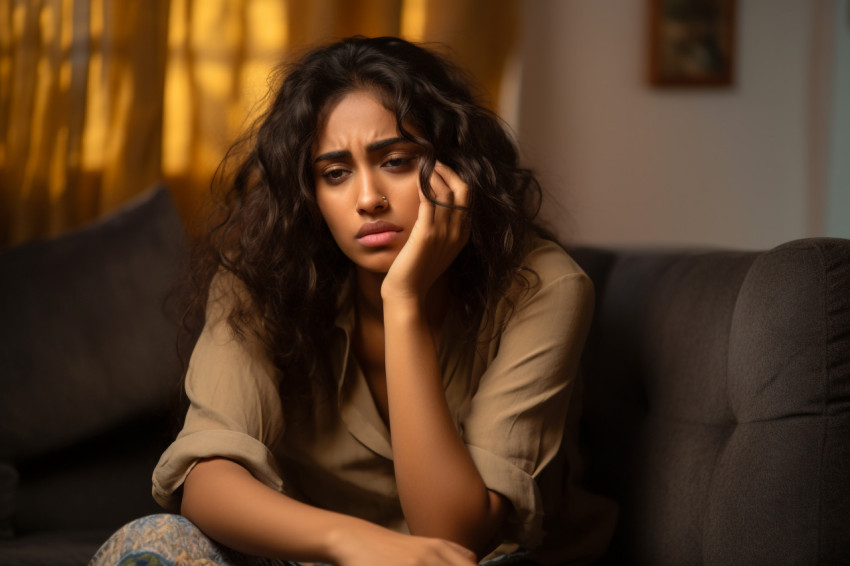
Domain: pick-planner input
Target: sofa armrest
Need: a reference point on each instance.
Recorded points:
(717, 407)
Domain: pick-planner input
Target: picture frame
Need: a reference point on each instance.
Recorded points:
(692, 43)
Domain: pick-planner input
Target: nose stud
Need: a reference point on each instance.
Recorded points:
(383, 198)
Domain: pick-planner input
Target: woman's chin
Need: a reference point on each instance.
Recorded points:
(375, 267)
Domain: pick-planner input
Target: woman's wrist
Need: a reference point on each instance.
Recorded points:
(397, 293)
(347, 540)
(405, 305)
(337, 544)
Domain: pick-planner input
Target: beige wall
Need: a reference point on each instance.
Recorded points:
(837, 132)
(630, 165)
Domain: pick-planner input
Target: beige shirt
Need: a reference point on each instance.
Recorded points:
(508, 396)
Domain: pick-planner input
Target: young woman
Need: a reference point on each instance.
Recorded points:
(389, 346)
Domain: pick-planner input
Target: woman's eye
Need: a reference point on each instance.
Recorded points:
(334, 175)
(399, 162)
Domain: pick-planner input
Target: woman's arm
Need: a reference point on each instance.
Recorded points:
(235, 405)
(442, 493)
(228, 504)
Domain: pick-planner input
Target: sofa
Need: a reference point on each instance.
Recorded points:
(715, 394)
(89, 376)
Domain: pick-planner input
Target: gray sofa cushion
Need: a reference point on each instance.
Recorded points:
(783, 478)
(718, 403)
(88, 371)
(86, 344)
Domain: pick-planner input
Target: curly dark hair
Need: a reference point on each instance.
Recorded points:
(270, 234)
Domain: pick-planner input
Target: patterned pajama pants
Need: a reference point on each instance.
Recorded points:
(170, 540)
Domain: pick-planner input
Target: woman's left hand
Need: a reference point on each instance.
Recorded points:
(435, 241)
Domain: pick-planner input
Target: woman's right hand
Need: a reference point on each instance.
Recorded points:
(370, 546)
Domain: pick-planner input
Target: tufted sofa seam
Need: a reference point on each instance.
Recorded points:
(825, 373)
(733, 425)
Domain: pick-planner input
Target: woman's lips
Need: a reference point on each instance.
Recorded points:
(377, 239)
(377, 233)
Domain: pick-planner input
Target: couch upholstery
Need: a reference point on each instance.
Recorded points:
(716, 396)
(717, 409)
(88, 374)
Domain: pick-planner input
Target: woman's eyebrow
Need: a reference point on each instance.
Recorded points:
(374, 146)
(381, 144)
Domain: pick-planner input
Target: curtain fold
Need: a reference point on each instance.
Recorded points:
(99, 99)
(81, 104)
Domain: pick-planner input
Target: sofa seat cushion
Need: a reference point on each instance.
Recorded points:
(65, 548)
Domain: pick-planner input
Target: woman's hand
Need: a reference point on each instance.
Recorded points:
(437, 238)
(382, 546)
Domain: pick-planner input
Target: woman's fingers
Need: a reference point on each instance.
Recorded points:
(457, 189)
(452, 192)
(440, 232)
(459, 215)
(396, 548)
(462, 553)
(446, 552)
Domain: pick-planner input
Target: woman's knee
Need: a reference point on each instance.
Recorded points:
(157, 539)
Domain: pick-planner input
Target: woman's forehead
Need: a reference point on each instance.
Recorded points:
(358, 117)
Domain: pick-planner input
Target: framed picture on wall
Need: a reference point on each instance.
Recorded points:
(691, 42)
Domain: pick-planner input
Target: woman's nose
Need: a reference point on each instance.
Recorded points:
(369, 197)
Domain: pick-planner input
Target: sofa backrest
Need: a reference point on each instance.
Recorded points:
(89, 366)
(717, 403)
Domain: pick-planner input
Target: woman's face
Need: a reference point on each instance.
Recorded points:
(367, 180)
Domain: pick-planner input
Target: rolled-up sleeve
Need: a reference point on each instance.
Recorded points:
(234, 412)
(516, 418)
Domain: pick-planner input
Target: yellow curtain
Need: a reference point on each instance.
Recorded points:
(99, 99)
